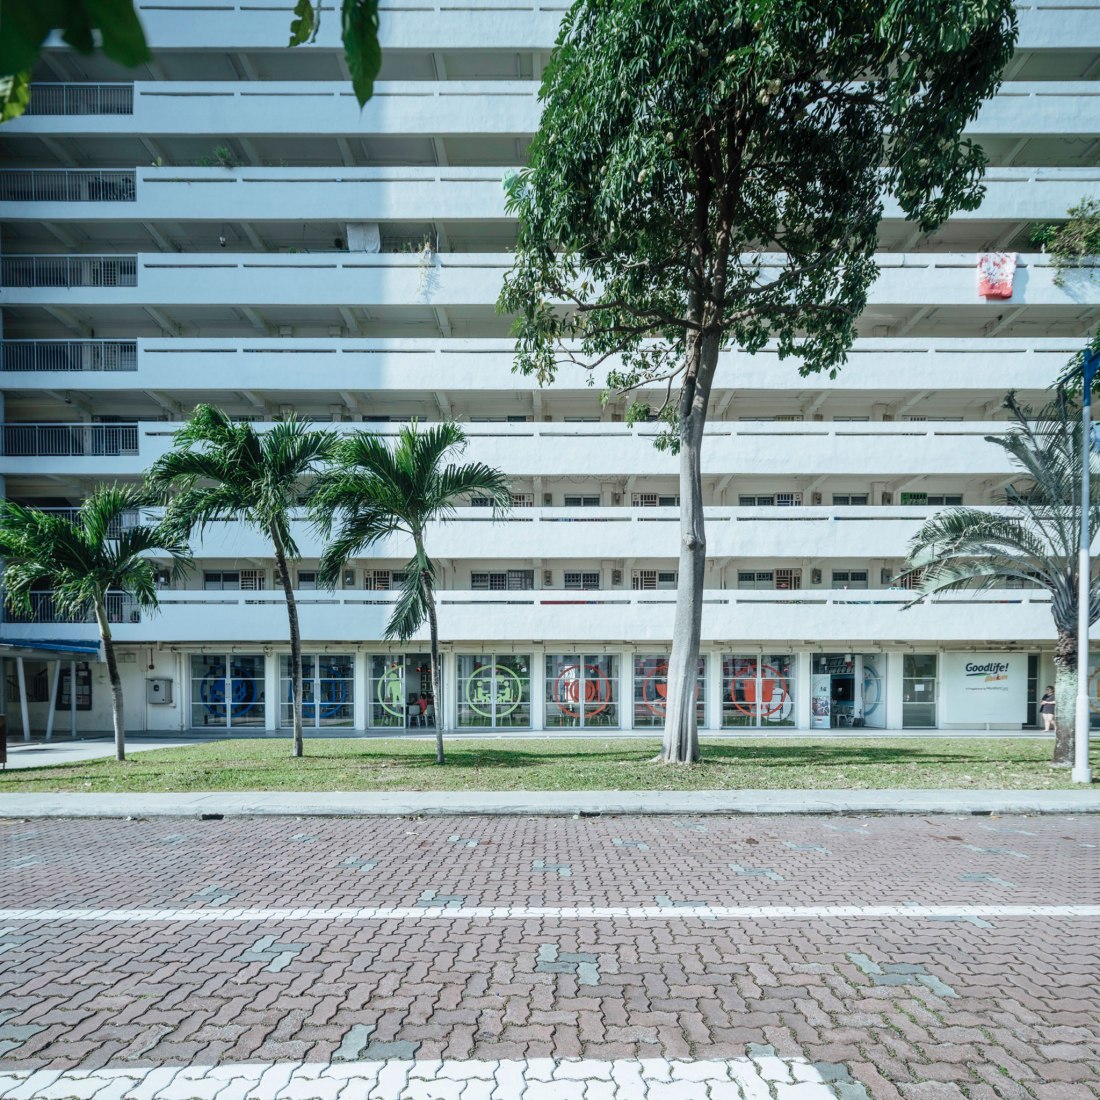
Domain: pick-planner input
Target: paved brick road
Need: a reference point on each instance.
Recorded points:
(550, 959)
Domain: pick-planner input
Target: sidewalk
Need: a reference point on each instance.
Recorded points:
(65, 750)
(549, 803)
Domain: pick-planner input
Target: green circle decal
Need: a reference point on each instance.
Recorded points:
(391, 691)
(479, 691)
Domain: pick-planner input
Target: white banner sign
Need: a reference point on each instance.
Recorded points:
(978, 688)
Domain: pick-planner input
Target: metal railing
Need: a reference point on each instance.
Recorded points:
(124, 522)
(68, 271)
(68, 355)
(81, 99)
(69, 440)
(121, 608)
(68, 185)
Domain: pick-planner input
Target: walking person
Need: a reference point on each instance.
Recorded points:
(1046, 709)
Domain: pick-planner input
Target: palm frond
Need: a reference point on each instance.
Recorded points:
(411, 609)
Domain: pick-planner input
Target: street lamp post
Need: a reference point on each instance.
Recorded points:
(1082, 773)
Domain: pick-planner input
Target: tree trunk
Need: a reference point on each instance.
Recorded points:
(437, 669)
(116, 682)
(295, 641)
(681, 737)
(1065, 697)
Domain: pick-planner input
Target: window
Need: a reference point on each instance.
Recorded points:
(850, 578)
(755, 578)
(644, 580)
(918, 691)
(786, 579)
(788, 500)
(756, 501)
(253, 580)
(503, 580)
(220, 581)
(328, 686)
(651, 691)
(845, 500)
(307, 580)
(758, 691)
(933, 419)
(654, 500)
(582, 691)
(582, 502)
(851, 419)
(582, 580)
(382, 580)
(941, 499)
(494, 690)
(227, 690)
(523, 500)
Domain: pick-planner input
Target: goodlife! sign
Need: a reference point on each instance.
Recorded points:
(984, 687)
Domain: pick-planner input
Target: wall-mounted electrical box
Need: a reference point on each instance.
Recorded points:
(158, 691)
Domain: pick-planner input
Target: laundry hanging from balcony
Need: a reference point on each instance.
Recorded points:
(995, 272)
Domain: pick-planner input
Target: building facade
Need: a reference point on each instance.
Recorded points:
(225, 225)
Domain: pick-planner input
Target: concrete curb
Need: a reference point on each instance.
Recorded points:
(547, 803)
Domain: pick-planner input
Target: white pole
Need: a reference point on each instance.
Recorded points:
(72, 698)
(1082, 773)
(23, 698)
(51, 708)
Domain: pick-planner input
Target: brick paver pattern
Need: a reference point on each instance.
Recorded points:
(438, 1003)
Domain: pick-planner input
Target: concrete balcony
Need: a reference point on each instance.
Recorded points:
(870, 450)
(189, 369)
(621, 533)
(455, 107)
(488, 25)
(465, 280)
(524, 618)
(420, 195)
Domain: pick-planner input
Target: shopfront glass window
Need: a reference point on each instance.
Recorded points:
(386, 701)
(848, 690)
(227, 690)
(494, 690)
(651, 691)
(328, 685)
(918, 699)
(758, 691)
(582, 691)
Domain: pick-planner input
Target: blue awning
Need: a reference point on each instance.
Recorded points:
(48, 647)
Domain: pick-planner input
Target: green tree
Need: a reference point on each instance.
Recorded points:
(84, 560)
(709, 175)
(1034, 544)
(374, 491)
(224, 471)
(1073, 242)
(27, 24)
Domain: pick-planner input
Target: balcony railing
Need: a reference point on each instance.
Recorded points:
(68, 355)
(64, 440)
(124, 522)
(67, 185)
(81, 99)
(68, 271)
(120, 609)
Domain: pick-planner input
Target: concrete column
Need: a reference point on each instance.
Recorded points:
(803, 665)
(625, 689)
(21, 674)
(361, 689)
(51, 706)
(895, 665)
(714, 689)
(538, 688)
(271, 691)
(72, 698)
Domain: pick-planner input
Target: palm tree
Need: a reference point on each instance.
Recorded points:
(83, 559)
(1035, 544)
(374, 491)
(224, 470)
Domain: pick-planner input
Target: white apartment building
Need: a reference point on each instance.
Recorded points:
(225, 225)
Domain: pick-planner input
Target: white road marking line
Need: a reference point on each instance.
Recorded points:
(536, 1078)
(527, 912)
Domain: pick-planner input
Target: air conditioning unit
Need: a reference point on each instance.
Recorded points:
(548, 578)
(887, 498)
(815, 498)
(349, 578)
(616, 578)
(547, 500)
(885, 576)
(616, 498)
(815, 576)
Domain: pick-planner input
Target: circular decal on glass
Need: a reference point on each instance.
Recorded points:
(212, 694)
(479, 691)
(872, 689)
(655, 690)
(775, 697)
(391, 691)
(570, 691)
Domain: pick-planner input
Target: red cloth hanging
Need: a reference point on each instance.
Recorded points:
(995, 271)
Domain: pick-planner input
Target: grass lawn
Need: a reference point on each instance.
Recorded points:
(543, 765)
